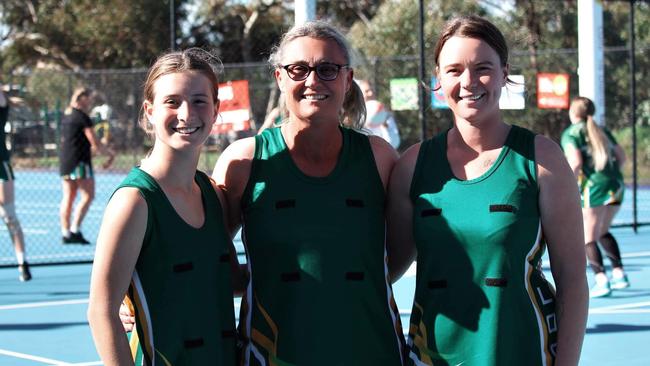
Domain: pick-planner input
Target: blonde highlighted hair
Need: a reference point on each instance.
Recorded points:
(353, 111)
(584, 109)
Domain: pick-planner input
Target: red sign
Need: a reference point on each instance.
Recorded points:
(552, 91)
(235, 107)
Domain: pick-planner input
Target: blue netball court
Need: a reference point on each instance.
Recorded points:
(43, 322)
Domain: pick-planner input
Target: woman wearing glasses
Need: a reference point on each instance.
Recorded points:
(309, 195)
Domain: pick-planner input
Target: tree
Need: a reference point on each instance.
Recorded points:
(84, 34)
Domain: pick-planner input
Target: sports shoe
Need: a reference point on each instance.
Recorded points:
(620, 283)
(75, 238)
(25, 275)
(600, 290)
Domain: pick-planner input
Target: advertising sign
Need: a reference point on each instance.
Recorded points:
(234, 111)
(552, 91)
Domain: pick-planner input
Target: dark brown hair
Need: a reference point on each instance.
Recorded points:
(472, 26)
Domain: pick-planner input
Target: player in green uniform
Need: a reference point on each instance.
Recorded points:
(7, 202)
(596, 160)
(164, 237)
(310, 196)
(476, 206)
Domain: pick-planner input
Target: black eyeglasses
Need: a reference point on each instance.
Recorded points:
(326, 71)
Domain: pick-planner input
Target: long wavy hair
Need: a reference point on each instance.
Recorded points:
(584, 109)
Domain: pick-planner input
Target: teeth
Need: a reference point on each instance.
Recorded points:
(473, 97)
(315, 97)
(186, 130)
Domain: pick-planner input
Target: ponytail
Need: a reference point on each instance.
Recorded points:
(599, 144)
(353, 114)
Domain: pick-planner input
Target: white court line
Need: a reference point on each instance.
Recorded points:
(24, 356)
(43, 304)
(631, 308)
(87, 363)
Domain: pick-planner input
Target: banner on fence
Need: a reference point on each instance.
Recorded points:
(552, 91)
(404, 94)
(438, 99)
(235, 108)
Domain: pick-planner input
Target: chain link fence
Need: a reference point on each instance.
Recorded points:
(39, 98)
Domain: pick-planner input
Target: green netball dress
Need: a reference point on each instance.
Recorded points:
(181, 287)
(597, 188)
(319, 293)
(481, 297)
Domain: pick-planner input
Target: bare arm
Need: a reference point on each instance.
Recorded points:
(400, 241)
(118, 246)
(619, 153)
(238, 273)
(385, 158)
(559, 203)
(231, 173)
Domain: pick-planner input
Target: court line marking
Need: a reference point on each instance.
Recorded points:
(631, 308)
(25, 356)
(43, 304)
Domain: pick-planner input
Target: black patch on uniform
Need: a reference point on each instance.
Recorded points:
(290, 276)
(228, 333)
(354, 203)
(431, 212)
(193, 343)
(496, 282)
(434, 284)
(354, 276)
(183, 267)
(224, 258)
(285, 204)
(503, 208)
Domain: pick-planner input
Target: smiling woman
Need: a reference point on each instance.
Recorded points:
(163, 238)
(480, 297)
(310, 196)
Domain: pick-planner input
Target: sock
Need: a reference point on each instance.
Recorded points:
(594, 257)
(74, 229)
(611, 249)
(20, 257)
(65, 233)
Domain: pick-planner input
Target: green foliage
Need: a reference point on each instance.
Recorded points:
(84, 34)
(624, 138)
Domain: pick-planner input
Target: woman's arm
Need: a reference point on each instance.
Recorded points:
(98, 146)
(238, 272)
(118, 247)
(400, 242)
(562, 226)
(231, 173)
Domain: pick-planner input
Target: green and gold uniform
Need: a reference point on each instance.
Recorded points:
(319, 292)
(6, 172)
(481, 297)
(597, 188)
(181, 287)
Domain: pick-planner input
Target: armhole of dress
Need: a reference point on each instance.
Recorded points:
(371, 154)
(533, 169)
